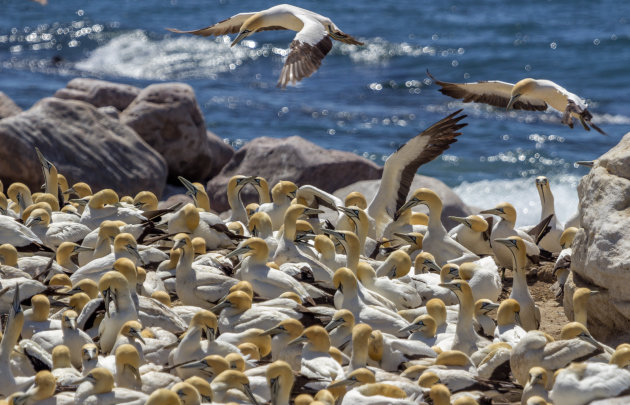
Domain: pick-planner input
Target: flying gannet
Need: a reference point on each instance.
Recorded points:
(309, 47)
(528, 94)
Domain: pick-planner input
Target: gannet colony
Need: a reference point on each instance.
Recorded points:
(303, 297)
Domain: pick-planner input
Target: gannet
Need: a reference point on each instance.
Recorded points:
(17, 234)
(401, 166)
(536, 385)
(125, 245)
(21, 197)
(485, 324)
(508, 329)
(266, 282)
(281, 194)
(327, 254)
(130, 333)
(119, 308)
(360, 225)
(189, 219)
(427, 282)
(473, 233)
(42, 392)
(527, 94)
(100, 241)
(551, 241)
(164, 396)
(280, 379)
(504, 229)
(562, 267)
(581, 383)
(365, 390)
(423, 329)
(89, 358)
(483, 278)
(281, 334)
(260, 226)
(36, 319)
(413, 241)
(105, 205)
(535, 349)
(62, 369)
(317, 364)
(309, 47)
(378, 317)
(340, 329)
(436, 240)
(391, 352)
(403, 295)
(223, 384)
(202, 386)
(237, 314)
(288, 252)
(64, 253)
(529, 312)
(97, 388)
(466, 339)
(580, 304)
(350, 243)
(10, 383)
(70, 336)
(196, 287)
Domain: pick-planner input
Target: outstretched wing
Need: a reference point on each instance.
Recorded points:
(495, 93)
(402, 165)
(308, 49)
(231, 25)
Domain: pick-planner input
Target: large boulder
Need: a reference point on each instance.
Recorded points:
(99, 93)
(169, 119)
(294, 159)
(452, 204)
(8, 106)
(601, 249)
(83, 143)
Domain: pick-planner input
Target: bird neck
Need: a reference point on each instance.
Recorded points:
(184, 265)
(580, 313)
(236, 205)
(466, 312)
(359, 356)
(11, 335)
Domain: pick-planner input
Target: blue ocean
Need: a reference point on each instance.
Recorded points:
(367, 100)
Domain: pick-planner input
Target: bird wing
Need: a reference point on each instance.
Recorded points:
(494, 92)
(231, 25)
(308, 49)
(401, 167)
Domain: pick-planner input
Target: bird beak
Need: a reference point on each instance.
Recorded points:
(238, 251)
(332, 325)
(274, 390)
(432, 266)
(490, 307)
(409, 204)
(312, 211)
(410, 328)
(73, 323)
(107, 298)
(340, 383)
(272, 332)
(46, 165)
(248, 391)
(460, 220)
(210, 334)
(492, 211)
(347, 211)
(198, 364)
(191, 189)
(180, 243)
(78, 249)
(69, 191)
(298, 339)
(16, 307)
(505, 241)
(219, 307)
(137, 335)
(134, 252)
(30, 222)
(447, 285)
(512, 100)
(405, 237)
(241, 36)
(588, 338)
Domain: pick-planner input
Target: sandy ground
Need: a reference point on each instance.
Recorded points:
(539, 280)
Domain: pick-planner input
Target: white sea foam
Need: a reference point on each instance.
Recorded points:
(137, 56)
(522, 194)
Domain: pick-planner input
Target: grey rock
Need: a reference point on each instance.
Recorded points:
(169, 119)
(83, 143)
(99, 93)
(294, 159)
(8, 106)
(601, 249)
